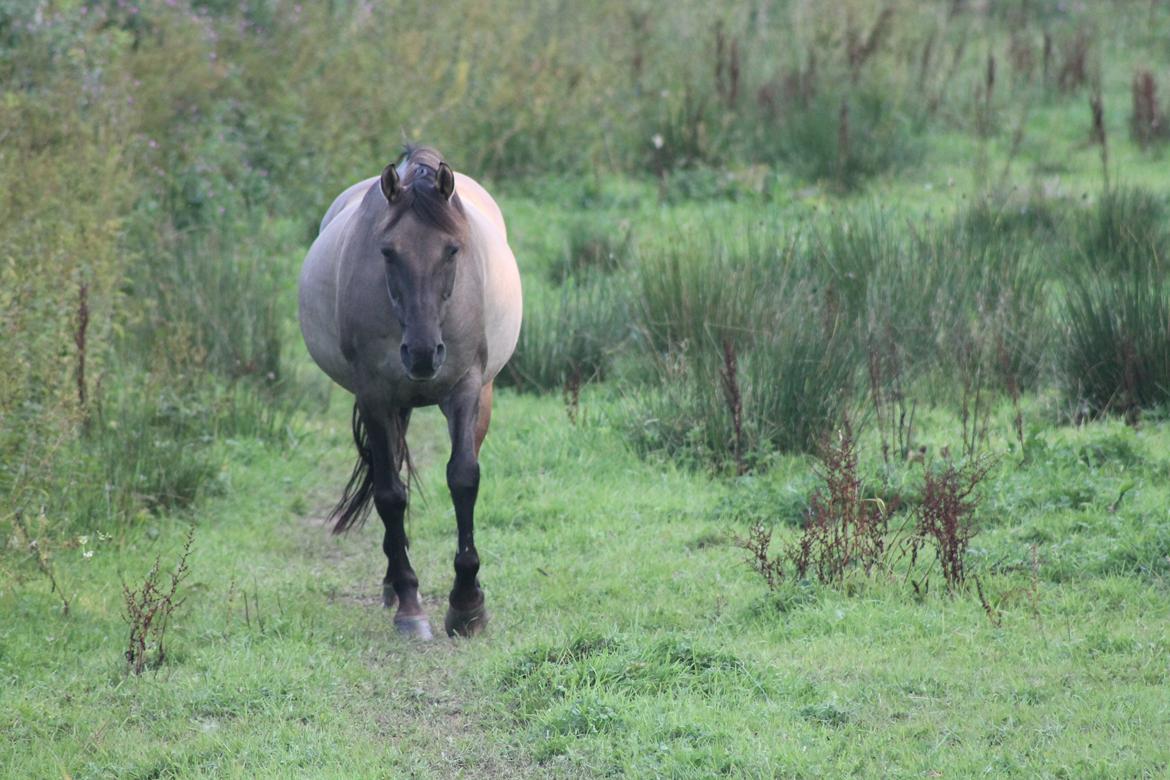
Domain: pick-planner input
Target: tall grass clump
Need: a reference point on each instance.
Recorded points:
(593, 245)
(844, 137)
(749, 357)
(570, 334)
(993, 313)
(1116, 351)
(936, 300)
(216, 302)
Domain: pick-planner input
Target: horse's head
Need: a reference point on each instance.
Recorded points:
(420, 246)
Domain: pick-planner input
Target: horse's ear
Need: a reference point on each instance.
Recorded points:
(391, 186)
(445, 180)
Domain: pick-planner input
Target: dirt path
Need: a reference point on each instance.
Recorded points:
(424, 694)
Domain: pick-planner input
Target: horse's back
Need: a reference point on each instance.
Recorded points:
(351, 196)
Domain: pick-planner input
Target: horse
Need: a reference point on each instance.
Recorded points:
(409, 297)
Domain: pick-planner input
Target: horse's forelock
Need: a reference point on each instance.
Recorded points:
(422, 197)
(420, 192)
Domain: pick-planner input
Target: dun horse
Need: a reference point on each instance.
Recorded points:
(409, 297)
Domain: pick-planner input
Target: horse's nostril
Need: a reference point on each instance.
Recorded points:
(404, 353)
(440, 353)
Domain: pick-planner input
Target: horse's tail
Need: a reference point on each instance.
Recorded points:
(353, 509)
(354, 506)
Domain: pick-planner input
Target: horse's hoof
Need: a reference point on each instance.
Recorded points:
(466, 622)
(389, 597)
(413, 626)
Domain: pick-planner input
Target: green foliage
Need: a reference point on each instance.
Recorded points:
(570, 334)
(1124, 231)
(172, 159)
(593, 245)
(1116, 351)
(215, 304)
(845, 137)
(749, 359)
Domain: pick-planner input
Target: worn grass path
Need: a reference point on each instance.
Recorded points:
(628, 639)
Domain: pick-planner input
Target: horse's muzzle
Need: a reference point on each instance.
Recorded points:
(422, 364)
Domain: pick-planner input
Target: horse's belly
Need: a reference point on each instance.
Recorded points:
(317, 296)
(503, 303)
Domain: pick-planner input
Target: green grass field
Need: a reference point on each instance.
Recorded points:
(628, 635)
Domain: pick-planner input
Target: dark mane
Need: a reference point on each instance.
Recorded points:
(420, 195)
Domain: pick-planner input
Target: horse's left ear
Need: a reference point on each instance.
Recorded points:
(391, 186)
(445, 180)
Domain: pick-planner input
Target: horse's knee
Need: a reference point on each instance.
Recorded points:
(390, 500)
(463, 475)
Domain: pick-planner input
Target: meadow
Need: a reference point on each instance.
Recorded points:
(835, 443)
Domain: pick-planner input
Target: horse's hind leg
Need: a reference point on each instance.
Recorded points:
(467, 422)
(484, 418)
(387, 451)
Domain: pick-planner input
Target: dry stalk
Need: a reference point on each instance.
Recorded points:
(44, 564)
(149, 609)
(729, 375)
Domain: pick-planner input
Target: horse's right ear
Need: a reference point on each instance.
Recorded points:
(391, 186)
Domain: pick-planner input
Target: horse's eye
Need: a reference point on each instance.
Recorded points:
(388, 254)
(451, 252)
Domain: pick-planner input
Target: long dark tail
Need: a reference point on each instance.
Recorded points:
(353, 509)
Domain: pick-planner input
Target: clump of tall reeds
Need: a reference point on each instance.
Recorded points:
(570, 334)
(1116, 350)
(749, 356)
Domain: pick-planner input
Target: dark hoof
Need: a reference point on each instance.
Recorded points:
(413, 626)
(389, 597)
(466, 622)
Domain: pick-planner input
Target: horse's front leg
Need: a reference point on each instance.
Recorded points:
(466, 614)
(387, 440)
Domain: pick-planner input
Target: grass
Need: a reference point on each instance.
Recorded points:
(676, 661)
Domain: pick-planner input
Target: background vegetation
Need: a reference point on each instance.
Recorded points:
(741, 227)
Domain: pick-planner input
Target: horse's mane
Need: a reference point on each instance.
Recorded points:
(420, 192)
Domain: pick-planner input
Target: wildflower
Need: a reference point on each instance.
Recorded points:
(657, 140)
(87, 554)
